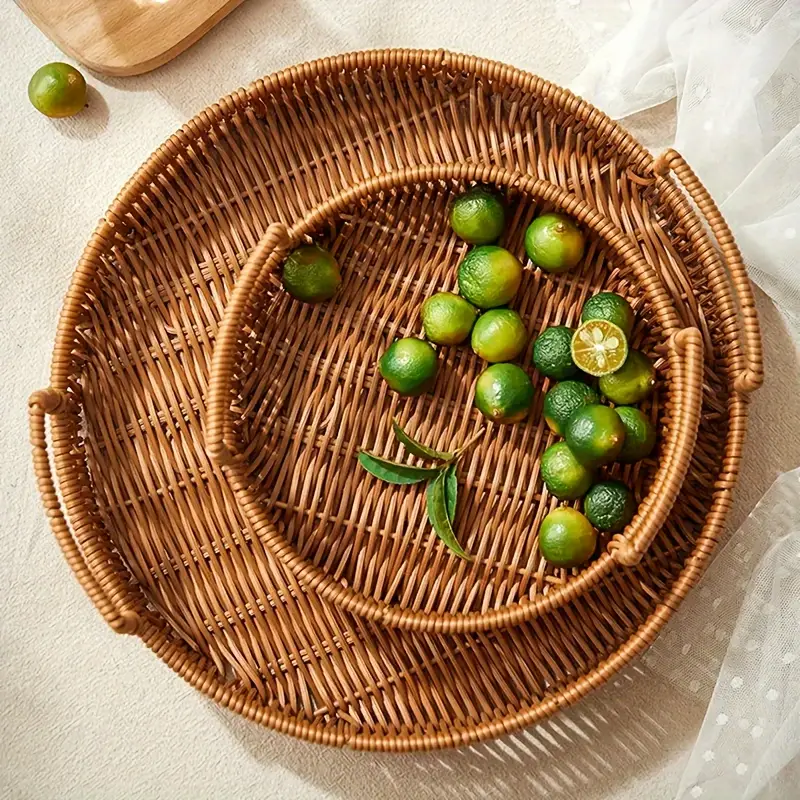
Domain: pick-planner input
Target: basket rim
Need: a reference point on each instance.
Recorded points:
(113, 222)
(156, 632)
(677, 442)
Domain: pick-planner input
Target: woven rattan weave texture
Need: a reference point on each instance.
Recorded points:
(149, 524)
(304, 385)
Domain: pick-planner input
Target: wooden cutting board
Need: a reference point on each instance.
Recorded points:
(125, 37)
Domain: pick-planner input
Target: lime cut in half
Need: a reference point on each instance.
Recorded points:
(599, 347)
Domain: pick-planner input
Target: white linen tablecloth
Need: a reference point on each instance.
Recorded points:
(88, 714)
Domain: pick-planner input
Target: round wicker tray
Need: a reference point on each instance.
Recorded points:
(302, 381)
(151, 528)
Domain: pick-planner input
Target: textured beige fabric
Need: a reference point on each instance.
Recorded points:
(87, 714)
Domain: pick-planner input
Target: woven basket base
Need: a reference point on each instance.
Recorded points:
(307, 397)
(220, 610)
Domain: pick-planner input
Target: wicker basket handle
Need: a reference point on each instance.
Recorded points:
(108, 592)
(220, 441)
(628, 548)
(752, 375)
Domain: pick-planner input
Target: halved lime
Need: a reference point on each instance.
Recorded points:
(599, 347)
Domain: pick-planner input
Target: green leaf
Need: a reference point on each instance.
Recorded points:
(417, 448)
(392, 472)
(451, 492)
(437, 513)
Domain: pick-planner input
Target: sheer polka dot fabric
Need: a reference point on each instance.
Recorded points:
(736, 641)
(752, 727)
(734, 68)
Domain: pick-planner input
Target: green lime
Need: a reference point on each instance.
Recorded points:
(489, 276)
(563, 400)
(554, 243)
(447, 318)
(566, 538)
(57, 90)
(632, 382)
(504, 393)
(595, 434)
(409, 366)
(499, 335)
(311, 274)
(599, 347)
(611, 307)
(609, 506)
(478, 216)
(640, 434)
(563, 475)
(552, 353)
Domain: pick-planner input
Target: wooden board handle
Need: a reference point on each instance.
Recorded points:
(751, 376)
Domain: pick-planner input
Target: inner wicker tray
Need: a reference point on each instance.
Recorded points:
(150, 526)
(306, 398)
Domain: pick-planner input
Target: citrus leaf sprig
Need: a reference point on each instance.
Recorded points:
(442, 490)
(392, 472)
(418, 449)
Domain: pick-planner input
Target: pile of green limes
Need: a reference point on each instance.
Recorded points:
(595, 435)
(488, 279)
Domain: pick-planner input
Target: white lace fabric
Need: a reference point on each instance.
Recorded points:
(741, 626)
(733, 69)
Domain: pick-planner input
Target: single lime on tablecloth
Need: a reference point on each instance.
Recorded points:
(57, 90)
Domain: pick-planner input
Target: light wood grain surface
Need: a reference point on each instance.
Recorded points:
(125, 37)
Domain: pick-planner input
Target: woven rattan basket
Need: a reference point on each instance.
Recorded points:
(304, 382)
(151, 527)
